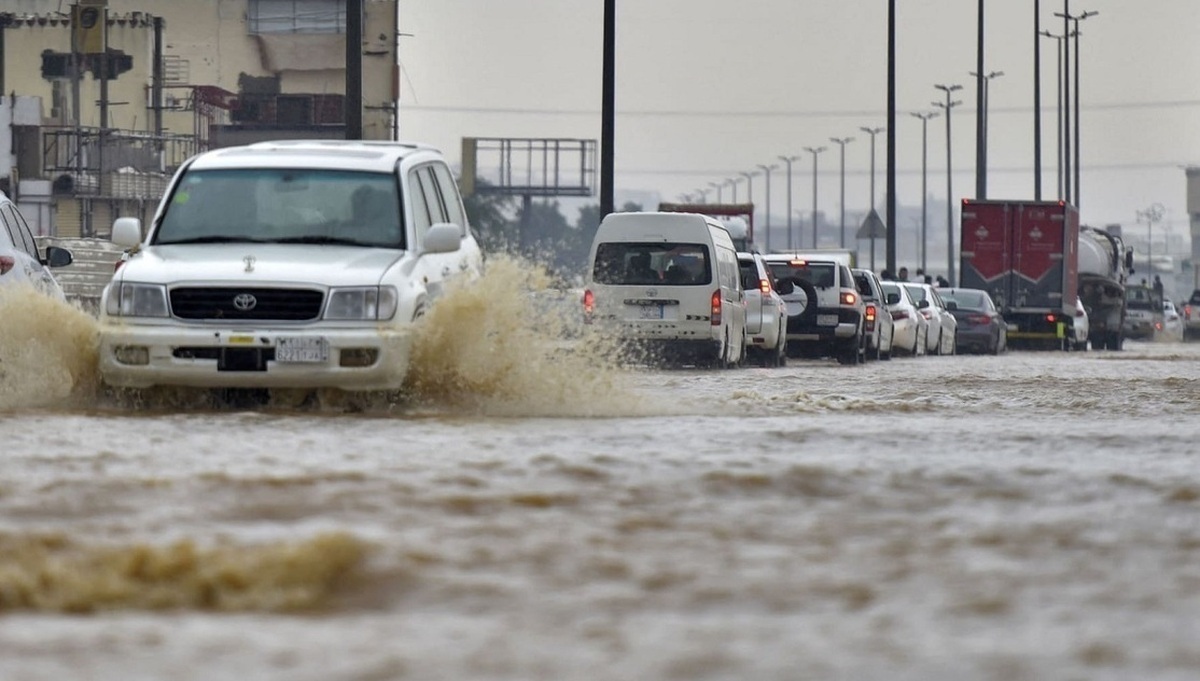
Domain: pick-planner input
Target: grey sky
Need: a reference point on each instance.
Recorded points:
(710, 88)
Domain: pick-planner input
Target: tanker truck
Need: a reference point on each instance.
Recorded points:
(1104, 268)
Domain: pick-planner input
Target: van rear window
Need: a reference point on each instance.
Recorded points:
(634, 263)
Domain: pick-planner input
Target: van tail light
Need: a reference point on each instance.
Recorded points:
(1051, 318)
(849, 297)
(764, 285)
(716, 308)
(7, 262)
(589, 305)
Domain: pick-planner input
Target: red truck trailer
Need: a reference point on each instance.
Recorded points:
(1026, 255)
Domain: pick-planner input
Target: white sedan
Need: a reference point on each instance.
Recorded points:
(909, 328)
(942, 324)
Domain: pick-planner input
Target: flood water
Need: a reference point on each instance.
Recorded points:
(530, 512)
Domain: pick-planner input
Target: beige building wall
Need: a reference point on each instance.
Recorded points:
(211, 37)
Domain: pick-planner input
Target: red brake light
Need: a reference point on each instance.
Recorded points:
(979, 319)
(871, 312)
(798, 263)
(7, 262)
(849, 298)
(764, 285)
(589, 305)
(899, 314)
(1050, 318)
(716, 308)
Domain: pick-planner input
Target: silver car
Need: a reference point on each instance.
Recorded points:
(766, 311)
(20, 262)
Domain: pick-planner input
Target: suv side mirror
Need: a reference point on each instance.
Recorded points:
(57, 256)
(444, 237)
(127, 232)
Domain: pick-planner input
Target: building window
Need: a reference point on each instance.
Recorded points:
(296, 16)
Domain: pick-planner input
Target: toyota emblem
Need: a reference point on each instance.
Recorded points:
(244, 302)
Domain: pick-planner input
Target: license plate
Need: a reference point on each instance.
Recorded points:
(650, 312)
(302, 349)
(827, 320)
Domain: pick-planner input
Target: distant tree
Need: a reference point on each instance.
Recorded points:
(491, 217)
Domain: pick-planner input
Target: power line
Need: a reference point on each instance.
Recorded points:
(798, 113)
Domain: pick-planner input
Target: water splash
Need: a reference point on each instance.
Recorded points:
(47, 352)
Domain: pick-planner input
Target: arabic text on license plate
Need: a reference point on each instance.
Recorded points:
(650, 312)
(302, 349)
(827, 320)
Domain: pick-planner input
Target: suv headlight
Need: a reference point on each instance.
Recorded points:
(127, 299)
(362, 303)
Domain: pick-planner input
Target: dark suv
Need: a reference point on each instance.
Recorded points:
(826, 314)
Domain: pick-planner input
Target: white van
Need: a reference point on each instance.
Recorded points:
(668, 283)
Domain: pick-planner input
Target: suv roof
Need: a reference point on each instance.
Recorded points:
(371, 156)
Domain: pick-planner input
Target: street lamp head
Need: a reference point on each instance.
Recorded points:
(814, 150)
(924, 115)
(767, 168)
(789, 159)
(948, 88)
(872, 131)
(843, 141)
(1089, 13)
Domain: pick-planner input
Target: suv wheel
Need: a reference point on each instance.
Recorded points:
(852, 351)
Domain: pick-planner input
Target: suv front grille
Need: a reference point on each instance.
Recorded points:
(271, 304)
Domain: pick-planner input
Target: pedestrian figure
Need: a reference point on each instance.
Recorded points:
(903, 274)
(943, 282)
(1158, 286)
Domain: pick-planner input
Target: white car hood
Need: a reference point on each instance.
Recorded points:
(260, 264)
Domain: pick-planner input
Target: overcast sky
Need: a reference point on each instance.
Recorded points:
(710, 88)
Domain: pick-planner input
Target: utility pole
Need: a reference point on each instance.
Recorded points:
(749, 187)
(816, 152)
(890, 198)
(354, 65)
(1058, 139)
(1037, 100)
(842, 142)
(949, 106)
(872, 132)
(789, 160)
(981, 117)
(608, 109)
(718, 186)
(924, 245)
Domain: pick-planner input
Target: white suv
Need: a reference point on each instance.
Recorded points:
(298, 264)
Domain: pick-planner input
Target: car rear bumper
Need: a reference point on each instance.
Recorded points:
(137, 356)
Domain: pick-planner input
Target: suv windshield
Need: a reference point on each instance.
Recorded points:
(633, 263)
(284, 206)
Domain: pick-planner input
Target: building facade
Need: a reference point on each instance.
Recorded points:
(182, 77)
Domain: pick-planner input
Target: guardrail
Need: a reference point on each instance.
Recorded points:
(94, 261)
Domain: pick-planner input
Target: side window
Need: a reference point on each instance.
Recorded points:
(420, 209)
(6, 230)
(437, 212)
(21, 236)
(450, 196)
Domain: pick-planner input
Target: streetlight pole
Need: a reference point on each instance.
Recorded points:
(949, 106)
(767, 228)
(816, 152)
(1076, 32)
(842, 142)
(872, 132)
(718, 186)
(1066, 73)
(789, 160)
(1059, 137)
(749, 188)
(703, 194)
(733, 182)
(924, 244)
(981, 154)
(1151, 215)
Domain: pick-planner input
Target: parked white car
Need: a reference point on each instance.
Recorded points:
(766, 313)
(942, 324)
(909, 328)
(1081, 328)
(297, 264)
(21, 264)
(880, 327)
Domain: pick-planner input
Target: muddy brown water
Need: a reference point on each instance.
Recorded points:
(534, 512)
